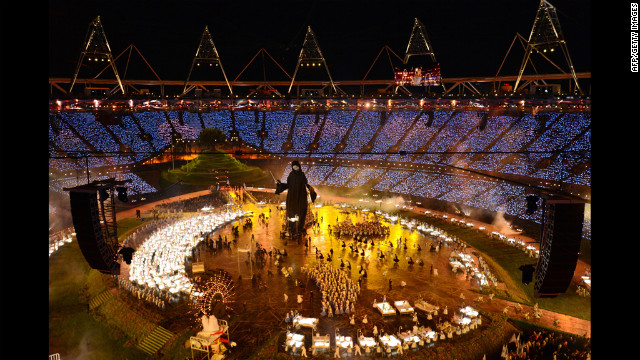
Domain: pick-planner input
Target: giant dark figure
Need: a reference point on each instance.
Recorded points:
(297, 204)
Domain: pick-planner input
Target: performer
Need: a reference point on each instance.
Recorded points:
(358, 353)
(336, 354)
(297, 205)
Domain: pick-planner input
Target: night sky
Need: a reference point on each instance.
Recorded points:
(470, 38)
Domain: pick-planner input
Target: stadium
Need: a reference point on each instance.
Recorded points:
(447, 214)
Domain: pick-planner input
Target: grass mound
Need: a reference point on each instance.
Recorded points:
(205, 170)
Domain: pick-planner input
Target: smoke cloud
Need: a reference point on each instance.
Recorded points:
(83, 350)
(59, 212)
(503, 225)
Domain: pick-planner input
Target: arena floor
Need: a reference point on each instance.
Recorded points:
(260, 305)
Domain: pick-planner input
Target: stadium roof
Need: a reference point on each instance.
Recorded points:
(470, 38)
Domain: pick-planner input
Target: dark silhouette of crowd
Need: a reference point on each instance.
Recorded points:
(195, 204)
(543, 344)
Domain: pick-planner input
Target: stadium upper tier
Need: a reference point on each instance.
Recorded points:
(554, 146)
(354, 148)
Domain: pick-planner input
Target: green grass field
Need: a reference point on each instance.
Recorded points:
(74, 331)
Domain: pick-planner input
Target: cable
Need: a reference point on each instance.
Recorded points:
(73, 155)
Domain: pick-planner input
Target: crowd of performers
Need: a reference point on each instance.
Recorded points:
(339, 295)
(360, 237)
(361, 231)
(339, 292)
(212, 200)
(151, 295)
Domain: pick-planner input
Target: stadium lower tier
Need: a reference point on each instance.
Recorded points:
(467, 194)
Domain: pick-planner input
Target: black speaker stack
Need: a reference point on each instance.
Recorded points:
(94, 222)
(86, 221)
(559, 246)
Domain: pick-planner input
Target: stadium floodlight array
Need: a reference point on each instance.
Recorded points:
(206, 55)
(310, 54)
(546, 34)
(96, 48)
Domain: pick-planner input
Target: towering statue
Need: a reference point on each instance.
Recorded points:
(297, 204)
